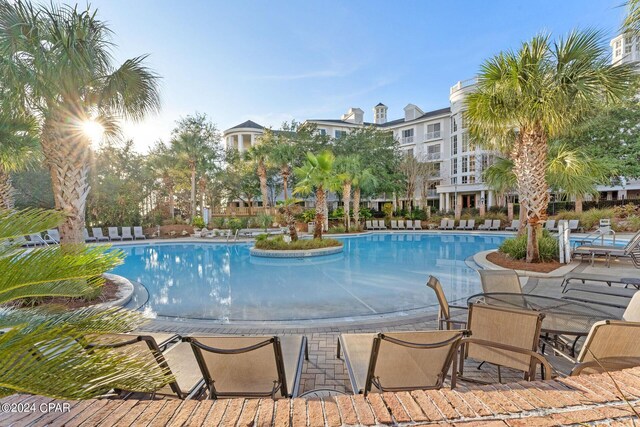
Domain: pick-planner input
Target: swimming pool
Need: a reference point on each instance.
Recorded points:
(377, 274)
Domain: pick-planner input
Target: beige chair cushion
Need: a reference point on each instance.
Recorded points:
(184, 367)
(611, 340)
(500, 281)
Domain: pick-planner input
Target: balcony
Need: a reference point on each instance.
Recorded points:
(437, 155)
(432, 193)
(432, 135)
(463, 84)
(407, 140)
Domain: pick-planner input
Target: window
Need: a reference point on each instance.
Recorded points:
(454, 144)
(465, 179)
(618, 44)
(436, 170)
(454, 124)
(464, 163)
(454, 180)
(454, 166)
(407, 136)
(463, 121)
(433, 131)
(339, 133)
(433, 152)
(627, 48)
(322, 131)
(472, 179)
(410, 152)
(465, 143)
(472, 163)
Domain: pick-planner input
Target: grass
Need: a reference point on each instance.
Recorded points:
(277, 243)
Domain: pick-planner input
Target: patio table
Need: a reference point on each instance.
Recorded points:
(562, 317)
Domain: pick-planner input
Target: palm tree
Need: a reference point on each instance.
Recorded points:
(259, 154)
(42, 351)
(364, 179)
(59, 59)
(524, 98)
(319, 174)
(348, 167)
(282, 154)
(501, 178)
(631, 22)
(162, 163)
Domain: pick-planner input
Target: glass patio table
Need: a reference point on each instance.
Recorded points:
(562, 317)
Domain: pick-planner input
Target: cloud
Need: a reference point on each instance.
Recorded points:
(336, 71)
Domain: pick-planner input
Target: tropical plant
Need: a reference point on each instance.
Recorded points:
(289, 209)
(59, 61)
(319, 175)
(365, 180)
(631, 22)
(43, 350)
(516, 247)
(282, 153)
(524, 98)
(349, 167)
(162, 165)
(258, 154)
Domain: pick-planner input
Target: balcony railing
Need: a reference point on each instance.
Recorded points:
(432, 135)
(432, 193)
(407, 140)
(462, 84)
(436, 155)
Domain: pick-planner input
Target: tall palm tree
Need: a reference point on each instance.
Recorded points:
(282, 154)
(631, 22)
(524, 98)
(364, 179)
(259, 154)
(163, 165)
(318, 174)
(60, 60)
(500, 177)
(349, 167)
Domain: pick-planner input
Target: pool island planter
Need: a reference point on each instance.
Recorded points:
(296, 253)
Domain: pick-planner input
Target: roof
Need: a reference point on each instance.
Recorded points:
(389, 123)
(248, 124)
(380, 104)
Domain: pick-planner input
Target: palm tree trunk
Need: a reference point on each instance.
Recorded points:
(193, 191)
(202, 186)
(285, 179)
(67, 157)
(530, 162)
(346, 197)
(356, 207)
(6, 190)
(579, 204)
(522, 216)
(172, 207)
(321, 199)
(262, 175)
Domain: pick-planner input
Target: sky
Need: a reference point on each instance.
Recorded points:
(274, 61)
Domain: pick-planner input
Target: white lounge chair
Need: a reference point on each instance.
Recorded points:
(417, 224)
(87, 238)
(97, 233)
(381, 225)
(113, 234)
(451, 224)
(471, 224)
(550, 225)
(401, 225)
(35, 239)
(367, 225)
(126, 233)
(443, 224)
(495, 225)
(52, 237)
(486, 225)
(462, 225)
(515, 225)
(138, 234)
(574, 225)
(394, 224)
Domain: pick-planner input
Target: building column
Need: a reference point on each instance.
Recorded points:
(441, 204)
(447, 202)
(241, 143)
(490, 199)
(253, 139)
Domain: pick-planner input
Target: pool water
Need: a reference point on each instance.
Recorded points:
(376, 274)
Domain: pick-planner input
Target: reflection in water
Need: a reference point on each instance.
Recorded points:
(375, 274)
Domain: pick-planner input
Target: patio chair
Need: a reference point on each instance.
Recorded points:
(113, 233)
(632, 312)
(451, 223)
(504, 337)
(238, 366)
(382, 225)
(550, 225)
(471, 224)
(462, 225)
(399, 361)
(445, 320)
(138, 234)
(410, 224)
(515, 225)
(584, 277)
(500, 281)
(52, 237)
(495, 225)
(443, 224)
(486, 225)
(631, 250)
(97, 233)
(367, 225)
(394, 224)
(126, 233)
(611, 345)
(35, 239)
(417, 224)
(574, 225)
(178, 361)
(401, 225)
(86, 237)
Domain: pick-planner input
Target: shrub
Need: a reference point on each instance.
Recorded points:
(264, 221)
(198, 222)
(308, 215)
(336, 230)
(218, 222)
(625, 211)
(591, 218)
(516, 247)
(234, 224)
(278, 243)
(365, 213)
(337, 213)
(388, 210)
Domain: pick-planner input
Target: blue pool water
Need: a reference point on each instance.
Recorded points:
(375, 275)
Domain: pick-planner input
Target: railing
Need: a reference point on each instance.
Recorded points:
(242, 211)
(432, 135)
(462, 84)
(407, 140)
(436, 155)
(432, 193)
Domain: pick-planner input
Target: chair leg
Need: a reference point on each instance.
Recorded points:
(338, 351)
(480, 366)
(499, 375)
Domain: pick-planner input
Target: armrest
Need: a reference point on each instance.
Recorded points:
(607, 364)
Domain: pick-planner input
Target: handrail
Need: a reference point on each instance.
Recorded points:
(598, 234)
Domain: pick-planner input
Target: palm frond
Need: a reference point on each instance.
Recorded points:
(15, 224)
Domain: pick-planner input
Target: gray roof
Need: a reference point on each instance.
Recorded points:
(380, 104)
(390, 123)
(248, 124)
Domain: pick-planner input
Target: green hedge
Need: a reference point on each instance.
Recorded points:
(278, 243)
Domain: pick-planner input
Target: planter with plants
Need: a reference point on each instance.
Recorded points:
(282, 247)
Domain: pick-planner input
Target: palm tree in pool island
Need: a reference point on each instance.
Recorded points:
(526, 97)
(71, 84)
(318, 174)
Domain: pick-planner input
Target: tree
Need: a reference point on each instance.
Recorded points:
(59, 59)
(289, 209)
(348, 167)
(195, 143)
(43, 350)
(162, 165)
(500, 177)
(524, 98)
(239, 179)
(631, 22)
(363, 180)
(415, 171)
(318, 174)
(259, 155)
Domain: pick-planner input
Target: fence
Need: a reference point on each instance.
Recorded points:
(556, 207)
(243, 211)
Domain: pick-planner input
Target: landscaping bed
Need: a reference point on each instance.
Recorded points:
(504, 261)
(109, 293)
(278, 244)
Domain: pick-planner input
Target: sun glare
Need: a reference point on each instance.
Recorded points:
(93, 130)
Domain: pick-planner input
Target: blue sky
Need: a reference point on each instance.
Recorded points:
(271, 61)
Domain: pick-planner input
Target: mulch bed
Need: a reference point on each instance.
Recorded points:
(109, 293)
(504, 261)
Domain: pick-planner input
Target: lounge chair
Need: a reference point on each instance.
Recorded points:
(584, 277)
(178, 361)
(367, 225)
(35, 239)
(417, 224)
(20, 241)
(86, 237)
(401, 225)
(471, 224)
(451, 223)
(52, 237)
(462, 225)
(574, 225)
(381, 224)
(486, 225)
(632, 250)
(237, 366)
(445, 320)
(443, 224)
(97, 234)
(550, 225)
(505, 337)
(394, 224)
(138, 234)
(410, 224)
(632, 312)
(611, 345)
(495, 225)
(399, 361)
(500, 281)
(515, 225)
(126, 233)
